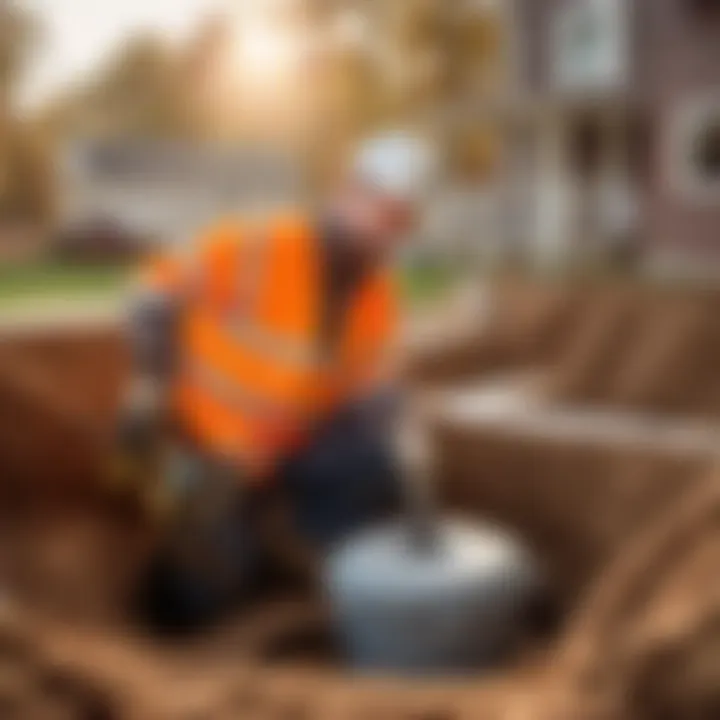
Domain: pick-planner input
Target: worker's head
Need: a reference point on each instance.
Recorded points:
(385, 188)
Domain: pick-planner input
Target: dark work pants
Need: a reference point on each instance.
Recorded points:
(344, 479)
(341, 481)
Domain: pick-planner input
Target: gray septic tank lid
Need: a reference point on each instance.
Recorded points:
(456, 606)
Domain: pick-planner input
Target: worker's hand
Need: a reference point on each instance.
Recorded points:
(138, 434)
(141, 416)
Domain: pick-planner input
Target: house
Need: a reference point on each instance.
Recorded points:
(165, 191)
(615, 128)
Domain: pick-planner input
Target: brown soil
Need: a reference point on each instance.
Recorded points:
(639, 347)
(526, 327)
(645, 349)
(58, 392)
(631, 538)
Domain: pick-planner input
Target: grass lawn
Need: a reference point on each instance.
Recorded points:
(50, 285)
(424, 283)
(47, 282)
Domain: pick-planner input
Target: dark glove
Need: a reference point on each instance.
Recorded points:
(137, 433)
(139, 436)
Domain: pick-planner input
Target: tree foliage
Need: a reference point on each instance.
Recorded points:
(25, 169)
(417, 60)
(18, 31)
(138, 92)
(27, 188)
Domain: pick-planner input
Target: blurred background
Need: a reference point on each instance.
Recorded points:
(136, 123)
(583, 132)
(574, 130)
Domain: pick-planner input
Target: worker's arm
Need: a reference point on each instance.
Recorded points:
(155, 306)
(164, 287)
(379, 366)
(377, 387)
(156, 303)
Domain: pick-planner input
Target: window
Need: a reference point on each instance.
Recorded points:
(588, 44)
(707, 149)
(695, 150)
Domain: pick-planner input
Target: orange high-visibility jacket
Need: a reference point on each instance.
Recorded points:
(251, 378)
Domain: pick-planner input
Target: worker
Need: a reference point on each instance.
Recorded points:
(263, 357)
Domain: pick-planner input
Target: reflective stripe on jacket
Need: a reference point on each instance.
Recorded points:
(252, 377)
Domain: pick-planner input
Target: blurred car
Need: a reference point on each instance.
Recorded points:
(99, 240)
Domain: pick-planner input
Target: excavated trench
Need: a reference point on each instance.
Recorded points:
(70, 554)
(629, 533)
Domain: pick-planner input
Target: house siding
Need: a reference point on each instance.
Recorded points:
(680, 62)
(674, 60)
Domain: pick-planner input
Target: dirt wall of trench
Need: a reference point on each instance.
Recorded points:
(580, 504)
(58, 393)
(635, 346)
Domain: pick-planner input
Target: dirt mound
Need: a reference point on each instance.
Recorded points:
(643, 348)
(584, 369)
(84, 365)
(644, 645)
(58, 392)
(632, 346)
(35, 687)
(631, 539)
(577, 502)
(672, 365)
(525, 326)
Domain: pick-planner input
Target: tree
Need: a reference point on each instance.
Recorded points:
(454, 57)
(18, 31)
(136, 93)
(28, 193)
(140, 91)
(25, 179)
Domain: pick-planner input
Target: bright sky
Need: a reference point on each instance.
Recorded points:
(79, 33)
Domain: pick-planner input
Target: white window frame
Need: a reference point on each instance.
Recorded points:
(685, 125)
(608, 71)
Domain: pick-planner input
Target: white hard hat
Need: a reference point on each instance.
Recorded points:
(397, 164)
